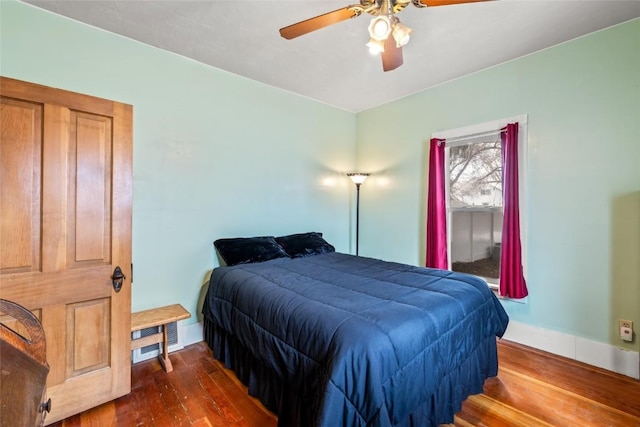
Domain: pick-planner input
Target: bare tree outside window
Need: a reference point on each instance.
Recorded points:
(475, 170)
(475, 192)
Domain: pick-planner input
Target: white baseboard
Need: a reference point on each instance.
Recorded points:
(192, 333)
(594, 353)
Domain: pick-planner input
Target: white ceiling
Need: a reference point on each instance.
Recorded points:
(333, 65)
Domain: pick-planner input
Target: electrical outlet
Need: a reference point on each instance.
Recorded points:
(626, 330)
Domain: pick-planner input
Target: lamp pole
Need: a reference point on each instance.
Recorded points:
(358, 179)
(357, 215)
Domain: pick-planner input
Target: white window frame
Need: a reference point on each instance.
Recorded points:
(473, 133)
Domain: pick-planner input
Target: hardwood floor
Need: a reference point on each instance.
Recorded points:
(199, 392)
(533, 388)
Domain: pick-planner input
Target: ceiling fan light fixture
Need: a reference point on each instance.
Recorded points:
(383, 24)
(375, 46)
(401, 34)
(380, 27)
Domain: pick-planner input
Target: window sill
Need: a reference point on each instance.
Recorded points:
(495, 288)
(496, 292)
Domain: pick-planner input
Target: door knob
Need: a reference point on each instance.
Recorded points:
(117, 278)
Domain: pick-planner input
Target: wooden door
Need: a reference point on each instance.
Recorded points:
(65, 209)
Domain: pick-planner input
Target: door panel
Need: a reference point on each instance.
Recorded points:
(66, 225)
(89, 189)
(87, 321)
(20, 144)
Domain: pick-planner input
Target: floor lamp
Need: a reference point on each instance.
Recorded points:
(358, 179)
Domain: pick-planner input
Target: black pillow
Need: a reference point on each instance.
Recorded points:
(245, 250)
(304, 244)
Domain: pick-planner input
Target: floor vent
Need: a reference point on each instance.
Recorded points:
(174, 332)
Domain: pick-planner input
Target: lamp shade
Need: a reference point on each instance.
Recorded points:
(401, 34)
(357, 177)
(380, 27)
(375, 46)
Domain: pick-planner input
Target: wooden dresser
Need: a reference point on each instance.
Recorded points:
(23, 367)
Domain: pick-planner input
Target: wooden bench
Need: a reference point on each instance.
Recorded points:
(160, 316)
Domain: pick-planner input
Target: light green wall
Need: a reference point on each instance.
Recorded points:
(215, 155)
(583, 185)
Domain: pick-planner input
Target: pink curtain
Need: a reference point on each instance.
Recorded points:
(436, 208)
(512, 283)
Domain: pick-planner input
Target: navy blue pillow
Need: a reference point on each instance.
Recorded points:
(245, 250)
(304, 244)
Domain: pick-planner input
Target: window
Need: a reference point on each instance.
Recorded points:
(474, 167)
(473, 187)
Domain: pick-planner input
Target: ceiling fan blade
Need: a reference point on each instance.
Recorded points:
(392, 55)
(432, 3)
(321, 21)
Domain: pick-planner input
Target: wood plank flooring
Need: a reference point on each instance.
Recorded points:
(533, 388)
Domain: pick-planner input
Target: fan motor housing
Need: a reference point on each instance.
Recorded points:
(397, 5)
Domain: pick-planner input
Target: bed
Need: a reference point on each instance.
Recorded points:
(331, 339)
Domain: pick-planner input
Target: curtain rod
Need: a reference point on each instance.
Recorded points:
(461, 138)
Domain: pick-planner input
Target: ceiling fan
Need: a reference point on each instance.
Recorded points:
(387, 33)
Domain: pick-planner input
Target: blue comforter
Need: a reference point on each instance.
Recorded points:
(361, 341)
